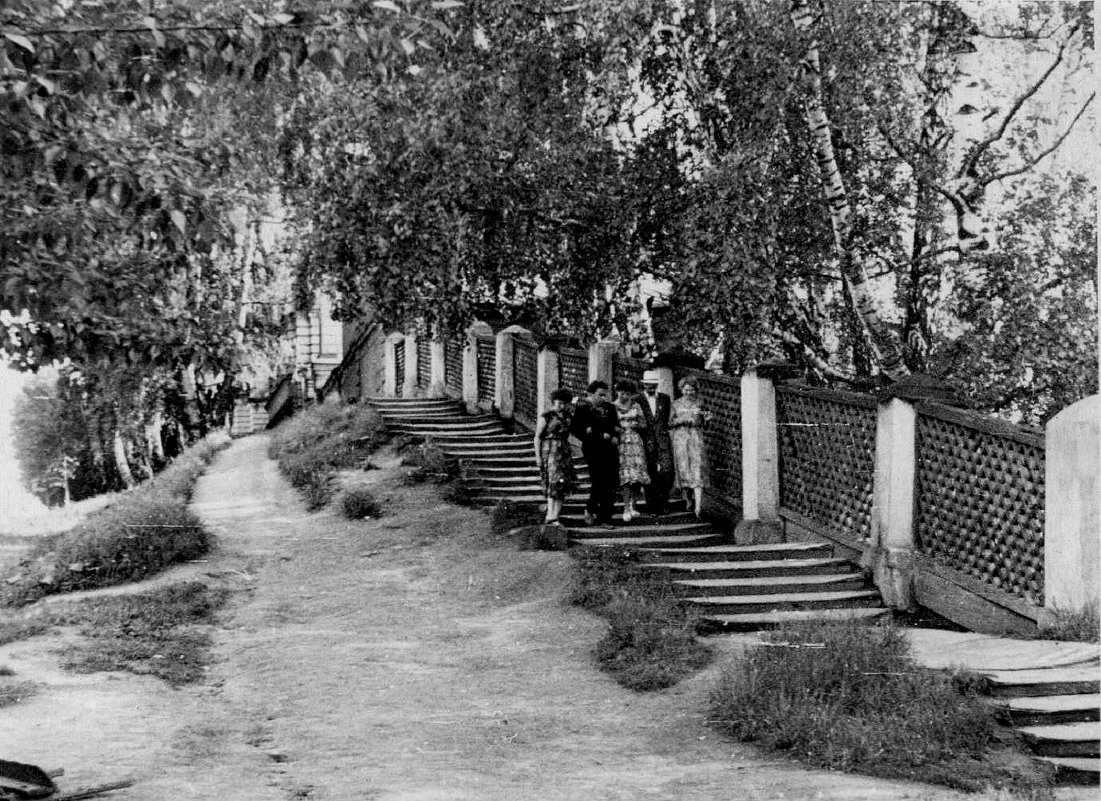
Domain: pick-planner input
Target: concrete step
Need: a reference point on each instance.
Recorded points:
(771, 585)
(409, 405)
(671, 541)
(429, 429)
(1050, 709)
(1076, 680)
(736, 553)
(1065, 739)
(787, 601)
(1075, 770)
(751, 568)
(653, 527)
(715, 624)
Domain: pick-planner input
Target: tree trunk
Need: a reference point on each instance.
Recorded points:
(885, 343)
(118, 448)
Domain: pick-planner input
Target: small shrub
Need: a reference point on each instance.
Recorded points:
(6, 671)
(314, 444)
(357, 503)
(651, 641)
(850, 697)
(508, 515)
(1073, 626)
(16, 692)
(430, 463)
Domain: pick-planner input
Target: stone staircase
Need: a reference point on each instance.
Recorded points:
(1057, 710)
(735, 587)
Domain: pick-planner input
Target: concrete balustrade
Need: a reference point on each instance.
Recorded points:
(409, 380)
(890, 554)
(504, 391)
(760, 462)
(436, 382)
(470, 364)
(546, 379)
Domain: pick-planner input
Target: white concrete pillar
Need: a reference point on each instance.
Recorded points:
(600, 361)
(390, 377)
(1072, 509)
(546, 379)
(890, 555)
(504, 390)
(436, 386)
(470, 366)
(760, 450)
(409, 382)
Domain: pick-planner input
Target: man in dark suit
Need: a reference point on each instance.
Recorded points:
(596, 425)
(656, 406)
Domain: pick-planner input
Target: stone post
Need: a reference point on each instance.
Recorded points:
(890, 556)
(546, 380)
(600, 361)
(760, 463)
(504, 391)
(436, 385)
(1072, 509)
(409, 383)
(470, 366)
(390, 366)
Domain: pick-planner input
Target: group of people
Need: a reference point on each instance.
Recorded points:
(643, 444)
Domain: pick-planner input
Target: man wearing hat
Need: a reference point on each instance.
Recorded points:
(659, 446)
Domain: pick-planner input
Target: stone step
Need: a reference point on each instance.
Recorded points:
(487, 438)
(715, 624)
(407, 406)
(1064, 739)
(469, 424)
(1045, 681)
(735, 553)
(672, 541)
(787, 601)
(577, 510)
(652, 527)
(513, 453)
(431, 429)
(751, 568)
(1075, 770)
(1049, 709)
(771, 585)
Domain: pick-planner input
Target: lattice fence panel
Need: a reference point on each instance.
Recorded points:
(980, 501)
(487, 369)
(399, 361)
(525, 390)
(453, 365)
(627, 369)
(722, 436)
(827, 457)
(573, 370)
(424, 362)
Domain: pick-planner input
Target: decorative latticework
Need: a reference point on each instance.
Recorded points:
(487, 369)
(624, 369)
(453, 365)
(424, 361)
(525, 388)
(721, 396)
(980, 499)
(399, 363)
(573, 370)
(827, 457)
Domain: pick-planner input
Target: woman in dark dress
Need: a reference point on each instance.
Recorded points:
(552, 449)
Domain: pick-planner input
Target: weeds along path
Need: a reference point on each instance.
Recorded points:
(410, 657)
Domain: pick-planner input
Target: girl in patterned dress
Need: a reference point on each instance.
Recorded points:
(633, 473)
(686, 421)
(552, 450)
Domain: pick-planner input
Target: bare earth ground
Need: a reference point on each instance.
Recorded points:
(404, 658)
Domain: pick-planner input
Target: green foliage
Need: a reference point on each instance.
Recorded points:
(651, 642)
(313, 445)
(850, 697)
(139, 534)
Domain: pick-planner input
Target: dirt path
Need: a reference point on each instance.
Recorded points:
(406, 658)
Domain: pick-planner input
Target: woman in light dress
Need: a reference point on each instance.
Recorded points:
(633, 474)
(553, 451)
(686, 422)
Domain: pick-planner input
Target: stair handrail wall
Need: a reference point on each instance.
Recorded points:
(945, 507)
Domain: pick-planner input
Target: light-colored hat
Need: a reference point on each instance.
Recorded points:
(651, 377)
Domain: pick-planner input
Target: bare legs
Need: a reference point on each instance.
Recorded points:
(629, 512)
(693, 496)
(554, 508)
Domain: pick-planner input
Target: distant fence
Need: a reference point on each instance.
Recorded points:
(487, 369)
(573, 370)
(525, 379)
(453, 365)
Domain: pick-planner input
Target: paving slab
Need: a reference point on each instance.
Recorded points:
(983, 652)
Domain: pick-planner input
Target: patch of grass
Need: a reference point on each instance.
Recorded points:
(15, 692)
(851, 698)
(317, 442)
(158, 633)
(16, 630)
(508, 515)
(651, 641)
(1073, 625)
(429, 462)
(142, 532)
(6, 671)
(357, 503)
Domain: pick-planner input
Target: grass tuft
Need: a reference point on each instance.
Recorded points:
(851, 698)
(325, 438)
(651, 642)
(142, 532)
(509, 515)
(357, 503)
(1073, 625)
